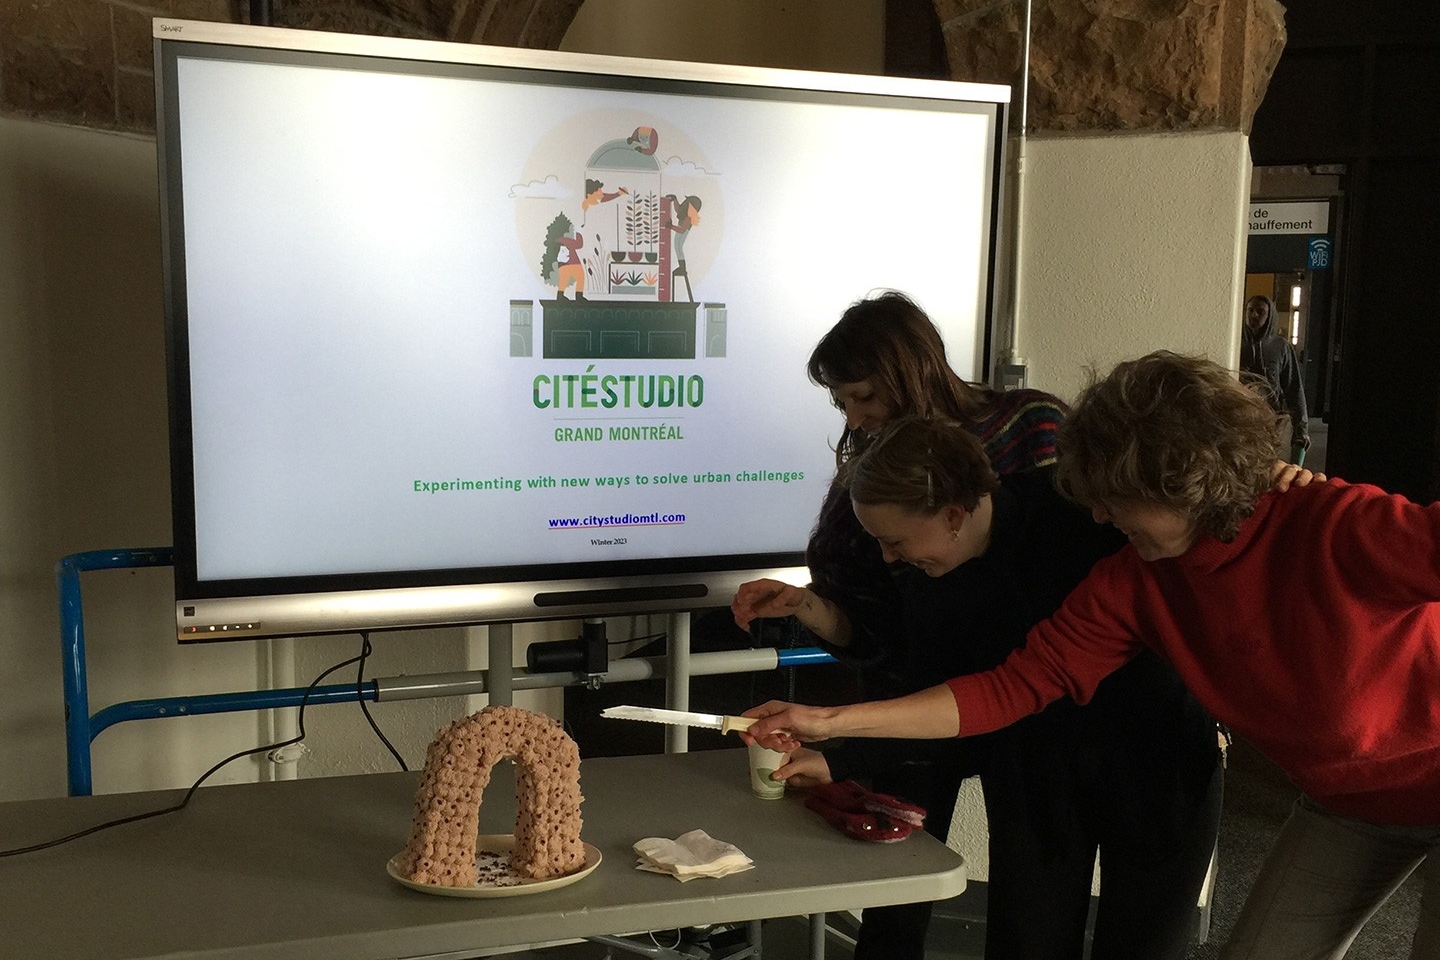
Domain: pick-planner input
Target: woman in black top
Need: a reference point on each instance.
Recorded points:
(1133, 775)
(886, 359)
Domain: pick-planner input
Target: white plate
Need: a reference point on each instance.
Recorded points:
(493, 851)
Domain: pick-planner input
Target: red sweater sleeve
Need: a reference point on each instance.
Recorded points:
(1385, 548)
(1092, 634)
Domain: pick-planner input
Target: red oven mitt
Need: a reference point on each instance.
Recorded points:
(865, 814)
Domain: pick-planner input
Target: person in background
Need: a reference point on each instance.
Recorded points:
(883, 359)
(1266, 354)
(1133, 776)
(1330, 667)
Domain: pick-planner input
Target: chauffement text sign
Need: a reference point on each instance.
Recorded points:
(1303, 216)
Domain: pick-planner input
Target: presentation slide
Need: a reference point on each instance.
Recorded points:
(450, 322)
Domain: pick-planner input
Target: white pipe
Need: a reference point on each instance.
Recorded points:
(677, 680)
(1018, 187)
(281, 724)
(1025, 74)
(474, 682)
(501, 663)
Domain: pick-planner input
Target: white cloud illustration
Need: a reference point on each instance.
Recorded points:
(548, 189)
(679, 167)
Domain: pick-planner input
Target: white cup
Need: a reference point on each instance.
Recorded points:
(764, 762)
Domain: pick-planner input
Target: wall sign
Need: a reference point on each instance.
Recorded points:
(1300, 216)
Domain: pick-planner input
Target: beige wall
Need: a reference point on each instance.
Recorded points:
(83, 425)
(84, 433)
(1131, 243)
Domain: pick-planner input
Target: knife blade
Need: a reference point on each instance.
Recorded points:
(711, 721)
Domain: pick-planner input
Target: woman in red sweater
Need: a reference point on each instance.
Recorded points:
(1309, 623)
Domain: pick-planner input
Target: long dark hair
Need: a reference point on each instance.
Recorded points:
(888, 340)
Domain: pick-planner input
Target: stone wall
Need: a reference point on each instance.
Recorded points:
(89, 62)
(1094, 64)
(1122, 64)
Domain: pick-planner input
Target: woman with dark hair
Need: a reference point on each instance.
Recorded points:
(885, 360)
(1330, 667)
(882, 360)
(890, 345)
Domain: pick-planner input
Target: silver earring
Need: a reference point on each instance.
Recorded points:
(955, 535)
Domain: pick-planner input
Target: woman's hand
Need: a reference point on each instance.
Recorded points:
(930, 714)
(785, 726)
(804, 768)
(1284, 475)
(766, 598)
(774, 598)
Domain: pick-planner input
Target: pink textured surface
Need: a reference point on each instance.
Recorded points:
(441, 849)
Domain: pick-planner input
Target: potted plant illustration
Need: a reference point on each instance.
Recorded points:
(642, 227)
(549, 259)
(649, 228)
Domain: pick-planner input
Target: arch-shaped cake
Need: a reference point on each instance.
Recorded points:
(441, 849)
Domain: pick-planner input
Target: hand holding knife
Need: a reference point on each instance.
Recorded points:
(710, 721)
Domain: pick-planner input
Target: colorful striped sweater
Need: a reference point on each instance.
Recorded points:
(1019, 431)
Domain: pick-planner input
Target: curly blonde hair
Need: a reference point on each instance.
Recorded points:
(1178, 431)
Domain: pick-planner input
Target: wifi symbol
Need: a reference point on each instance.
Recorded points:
(1320, 253)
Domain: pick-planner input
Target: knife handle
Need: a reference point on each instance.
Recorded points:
(731, 724)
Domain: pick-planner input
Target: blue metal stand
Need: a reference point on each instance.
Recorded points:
(82, 727)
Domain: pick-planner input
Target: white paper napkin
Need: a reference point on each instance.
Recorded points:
(690, 855)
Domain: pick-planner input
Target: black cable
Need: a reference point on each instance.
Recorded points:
(365, 651)
(641, 640)
(299, 723)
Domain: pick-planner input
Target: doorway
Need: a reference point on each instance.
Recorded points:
(1292, 256)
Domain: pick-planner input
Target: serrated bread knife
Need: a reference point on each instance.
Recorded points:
(711, 721)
